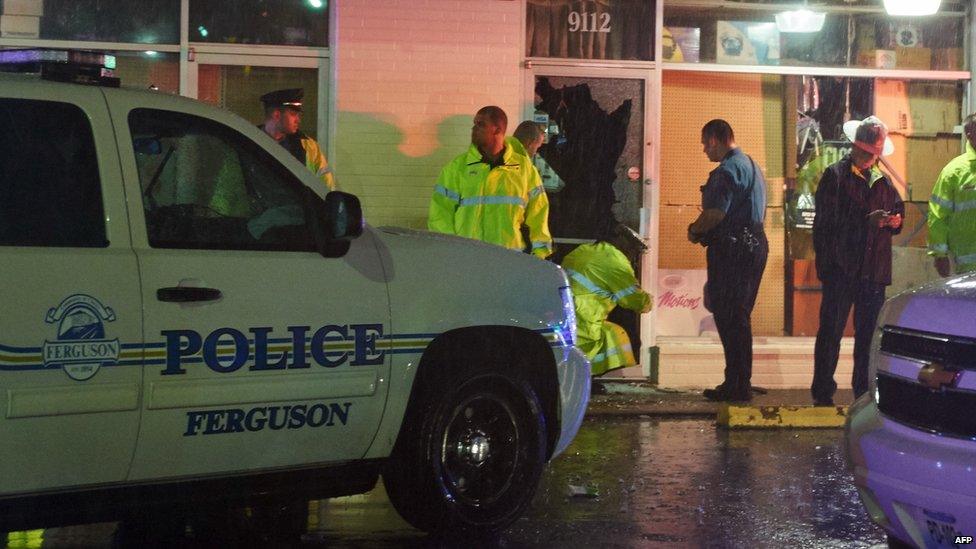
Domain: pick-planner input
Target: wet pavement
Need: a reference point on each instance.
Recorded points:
(641, 398)
(640, 482)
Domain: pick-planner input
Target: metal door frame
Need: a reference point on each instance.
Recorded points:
(650, 75)
(271, 56)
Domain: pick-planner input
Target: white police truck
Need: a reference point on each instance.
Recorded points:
(911, 441)
(191, 324)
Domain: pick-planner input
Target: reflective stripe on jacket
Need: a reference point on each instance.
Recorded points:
(474, 200)
(601, 278)
(952, 212)
(316, 162)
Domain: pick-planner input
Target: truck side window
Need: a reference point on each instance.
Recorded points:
(205, 186)
(50, 189)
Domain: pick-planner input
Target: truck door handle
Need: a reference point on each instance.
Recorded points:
(187, 294)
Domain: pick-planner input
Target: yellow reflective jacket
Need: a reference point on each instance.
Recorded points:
(952, 212)
(316, 162)
(601, 278)
(474, 200)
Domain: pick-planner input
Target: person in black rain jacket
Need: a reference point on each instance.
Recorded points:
(858, 211)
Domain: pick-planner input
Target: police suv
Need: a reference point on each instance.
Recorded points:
(190, 324)
(911, 439)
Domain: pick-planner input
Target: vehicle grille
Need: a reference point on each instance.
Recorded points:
(948, 411)
(959, 352)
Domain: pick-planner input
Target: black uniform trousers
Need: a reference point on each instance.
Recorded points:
(735, 269)
(839, 293)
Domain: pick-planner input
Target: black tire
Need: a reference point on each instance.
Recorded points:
(470, 457)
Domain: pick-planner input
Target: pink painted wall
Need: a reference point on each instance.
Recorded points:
(410, 76)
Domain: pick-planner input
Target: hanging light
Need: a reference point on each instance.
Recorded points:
(912, 7)
(802, 20)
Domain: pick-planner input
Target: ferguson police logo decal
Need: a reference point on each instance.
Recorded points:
(81, 348)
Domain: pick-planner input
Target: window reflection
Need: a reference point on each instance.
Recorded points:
(271, 22)
(142, 22)
(590, 29)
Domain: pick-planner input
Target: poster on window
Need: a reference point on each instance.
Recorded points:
(745, 43)
(590, 29)
(681, 44)
(680, 303)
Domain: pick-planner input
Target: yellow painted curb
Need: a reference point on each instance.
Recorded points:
(739, 416)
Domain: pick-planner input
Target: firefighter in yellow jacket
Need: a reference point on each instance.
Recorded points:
(282, 115)
(952, 209)
(602, 278)
(491, 190)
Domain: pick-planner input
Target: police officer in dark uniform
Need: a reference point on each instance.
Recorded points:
(731, 227)
(282, 115)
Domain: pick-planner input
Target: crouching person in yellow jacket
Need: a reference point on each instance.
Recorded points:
(601, 278)
(491, 190)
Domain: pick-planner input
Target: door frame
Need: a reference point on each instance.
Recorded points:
(649, 230)
(271, 56)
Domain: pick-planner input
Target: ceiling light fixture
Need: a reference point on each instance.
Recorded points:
(801, 20)
(912, 8)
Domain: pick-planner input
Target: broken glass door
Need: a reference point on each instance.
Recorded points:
(594, 154)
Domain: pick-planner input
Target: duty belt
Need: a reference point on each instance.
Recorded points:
(747, 236)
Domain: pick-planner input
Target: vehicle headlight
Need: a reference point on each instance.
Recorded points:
(567, 328)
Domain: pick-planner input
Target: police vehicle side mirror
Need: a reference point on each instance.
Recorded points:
(339, 219)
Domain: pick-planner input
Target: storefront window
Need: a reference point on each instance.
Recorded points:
(921, 119)
(792, 127)
(591, 29)
(143, 22)
(848, 39)
(270, 22)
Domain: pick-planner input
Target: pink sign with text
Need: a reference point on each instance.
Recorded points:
(680, 303)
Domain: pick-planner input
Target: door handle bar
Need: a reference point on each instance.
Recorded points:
(188, 294)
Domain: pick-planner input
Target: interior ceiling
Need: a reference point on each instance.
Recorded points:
(947, 5)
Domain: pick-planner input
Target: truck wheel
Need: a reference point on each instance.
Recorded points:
(470, 457)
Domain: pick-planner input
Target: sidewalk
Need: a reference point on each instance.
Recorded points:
(640, 398)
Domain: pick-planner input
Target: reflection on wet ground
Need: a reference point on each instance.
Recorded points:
(639, 483)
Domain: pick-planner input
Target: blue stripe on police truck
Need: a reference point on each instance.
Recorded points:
(223, 350)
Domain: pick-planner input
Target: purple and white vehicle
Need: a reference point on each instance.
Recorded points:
(911, 440)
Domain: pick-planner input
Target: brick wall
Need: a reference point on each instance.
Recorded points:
(410, 77)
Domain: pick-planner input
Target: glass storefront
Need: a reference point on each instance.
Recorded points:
(779, 113)
(142, 22)
(751, 35)
(591, 29)
(233, 51)
(268, 22)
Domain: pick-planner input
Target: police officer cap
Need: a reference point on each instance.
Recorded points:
(291, 98)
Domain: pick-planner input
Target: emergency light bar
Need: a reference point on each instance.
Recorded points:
(80, 67)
